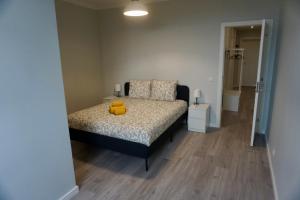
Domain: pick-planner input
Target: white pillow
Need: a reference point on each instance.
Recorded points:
(140, 89)
(164, 90)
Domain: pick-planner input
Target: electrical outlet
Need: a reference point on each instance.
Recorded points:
(273, 153)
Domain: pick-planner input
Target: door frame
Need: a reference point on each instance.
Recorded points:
(222, 59)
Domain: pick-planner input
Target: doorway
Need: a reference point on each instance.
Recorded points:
(244, 58)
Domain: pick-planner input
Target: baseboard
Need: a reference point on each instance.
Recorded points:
(69, 195)
(272, 173)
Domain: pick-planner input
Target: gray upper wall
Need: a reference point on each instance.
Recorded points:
(79, 37)
(178, 40)
(284, 134)
(36, 161)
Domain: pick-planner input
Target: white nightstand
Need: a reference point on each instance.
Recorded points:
(198, 118)
(109, 98)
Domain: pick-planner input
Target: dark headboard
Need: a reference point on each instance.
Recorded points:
(183, 92)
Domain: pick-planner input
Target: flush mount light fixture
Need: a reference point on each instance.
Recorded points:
(135, 9)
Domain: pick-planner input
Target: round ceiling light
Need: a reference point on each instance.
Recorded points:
(135, 9)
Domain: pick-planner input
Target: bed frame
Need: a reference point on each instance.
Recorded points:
(128, 147)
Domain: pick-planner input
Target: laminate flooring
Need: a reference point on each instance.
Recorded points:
(216, 165)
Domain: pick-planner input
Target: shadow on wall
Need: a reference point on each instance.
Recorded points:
(3, 4)
(274, 81)
(3, 195)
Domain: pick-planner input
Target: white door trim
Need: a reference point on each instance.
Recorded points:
(221, 61)
(70, 194)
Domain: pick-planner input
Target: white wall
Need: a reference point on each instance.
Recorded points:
(250, 41)
(178, 40)
(251, 62)
(229, 64)
(35, 154)
(248, 33)
(284, 133)
(79, 36)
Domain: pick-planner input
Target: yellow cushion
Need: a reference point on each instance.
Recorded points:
(117, 103)
(117, 110)
(120, 110)
(112, 109)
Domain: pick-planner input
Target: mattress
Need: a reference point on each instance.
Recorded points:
(143, 123)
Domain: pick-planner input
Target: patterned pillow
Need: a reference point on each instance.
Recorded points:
(164, 90)
(140, 89)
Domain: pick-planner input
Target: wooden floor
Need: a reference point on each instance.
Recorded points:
(217, 165)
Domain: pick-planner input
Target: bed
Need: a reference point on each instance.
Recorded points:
(145, 126)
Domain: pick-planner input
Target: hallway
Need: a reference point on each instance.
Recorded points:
(245, 113)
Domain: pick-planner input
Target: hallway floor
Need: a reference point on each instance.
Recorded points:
(216, 165)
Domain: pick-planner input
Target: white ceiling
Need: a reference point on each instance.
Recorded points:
(105, 4)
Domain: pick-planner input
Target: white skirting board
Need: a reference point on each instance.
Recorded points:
(272, 173)
(69, 195)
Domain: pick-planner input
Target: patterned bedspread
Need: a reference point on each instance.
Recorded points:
(143, 123)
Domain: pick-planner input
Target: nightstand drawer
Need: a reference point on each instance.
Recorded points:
(199, 114)
(196, 124)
